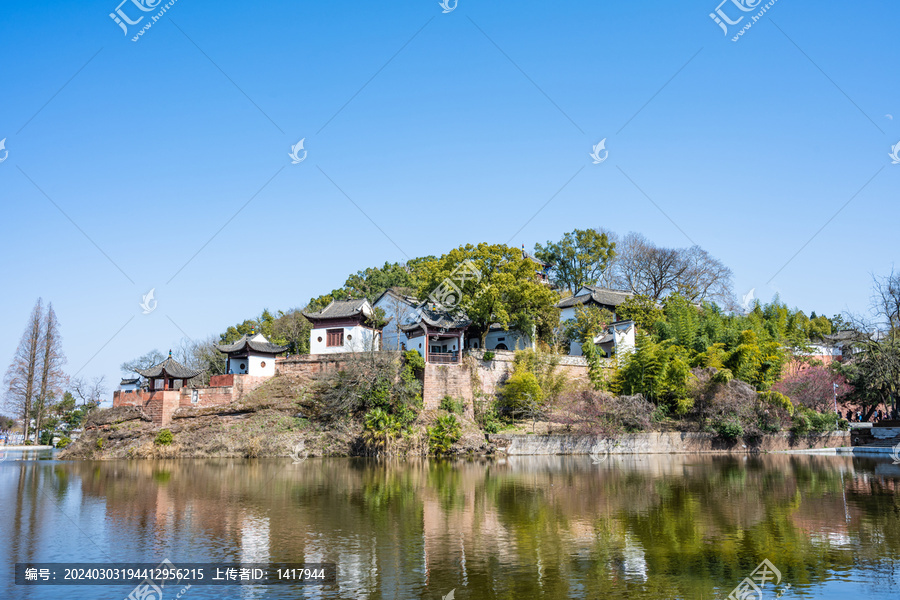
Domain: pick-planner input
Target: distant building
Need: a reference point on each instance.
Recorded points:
(618, 339)
(590, 295)
(542, 271)
(344, 326)
(130, 385)
(251, 355)
(498, 338)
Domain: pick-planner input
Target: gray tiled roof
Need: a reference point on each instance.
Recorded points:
(399, 293)
(245, 342)
(599, 295)
(129, 381)
(533, 258)
(342, 309)
(437, 319)
(172, 368)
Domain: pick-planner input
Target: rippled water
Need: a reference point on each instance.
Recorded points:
(530, 527)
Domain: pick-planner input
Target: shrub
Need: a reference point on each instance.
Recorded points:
(452, 405)
(63, 442)
(163, 438)
(521, 393)
(28, 443)
(807, 420)
(722, 376)
(778, 400)
(414, 360)
(488, 356)
(729, 430)
(99, 443)
(380, 429)
(445, 432)
(600, 413)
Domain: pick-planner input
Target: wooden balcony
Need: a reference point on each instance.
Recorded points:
(443, 358)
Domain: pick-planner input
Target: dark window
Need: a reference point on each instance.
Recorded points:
(335, 337)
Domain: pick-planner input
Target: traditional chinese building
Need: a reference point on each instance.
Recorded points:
(437, 335)
(167, 375)
(251, 355)
(343, 326)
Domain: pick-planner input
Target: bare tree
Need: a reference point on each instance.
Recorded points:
(52, 360)
(90, 392)
(886, 302)
(656, 272)
(22, 372)
(647, 269)
(706, 278)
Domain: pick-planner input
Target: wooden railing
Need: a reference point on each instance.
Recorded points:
(443, 358)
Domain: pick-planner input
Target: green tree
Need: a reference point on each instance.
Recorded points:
(580, 258)
(589, 322)
(644, 311)
(507, 292)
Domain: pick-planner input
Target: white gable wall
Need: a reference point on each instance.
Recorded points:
(399, 313)
(356, 339)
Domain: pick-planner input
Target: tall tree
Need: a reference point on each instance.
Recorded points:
(22, 374)
(52, 360)
(580, 258)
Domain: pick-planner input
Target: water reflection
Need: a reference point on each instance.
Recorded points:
(552, 527)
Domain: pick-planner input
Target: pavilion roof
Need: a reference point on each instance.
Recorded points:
(254, 343)
(172, 368)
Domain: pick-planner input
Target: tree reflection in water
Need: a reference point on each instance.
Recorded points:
(552, 527)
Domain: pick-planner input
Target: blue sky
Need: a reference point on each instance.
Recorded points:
(163, 163)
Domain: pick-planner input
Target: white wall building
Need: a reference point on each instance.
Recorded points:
(345, 326)
(399, 309)
(590, 295)
(251, 355)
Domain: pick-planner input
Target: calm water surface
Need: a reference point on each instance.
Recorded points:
(526, 527)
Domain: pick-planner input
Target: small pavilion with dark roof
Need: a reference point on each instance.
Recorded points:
(167, 375)
(253, 354)
(437, 335)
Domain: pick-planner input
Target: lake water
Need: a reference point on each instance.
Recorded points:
(525, 527)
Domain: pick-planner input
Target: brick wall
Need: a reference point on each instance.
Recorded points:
(457, 380)
(447, 380)
(439, 381)
(159, 405)
(305, 366)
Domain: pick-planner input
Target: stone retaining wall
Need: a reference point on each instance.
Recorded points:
(660, 443)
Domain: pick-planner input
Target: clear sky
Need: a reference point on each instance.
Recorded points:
(163, 163)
